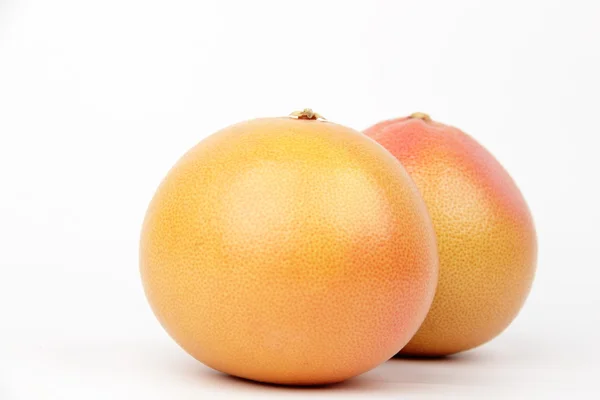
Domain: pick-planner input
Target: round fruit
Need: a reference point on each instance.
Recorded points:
(289, 250)
(486, 238)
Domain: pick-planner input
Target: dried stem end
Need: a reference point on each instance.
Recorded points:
(420, 115)
(307, 113)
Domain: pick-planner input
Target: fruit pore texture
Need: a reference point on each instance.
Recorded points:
(289, 251)
(486, 238)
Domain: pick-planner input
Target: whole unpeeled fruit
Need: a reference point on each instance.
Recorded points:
(486, 238)
(289, 250)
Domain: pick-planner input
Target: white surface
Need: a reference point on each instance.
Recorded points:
(99, 99)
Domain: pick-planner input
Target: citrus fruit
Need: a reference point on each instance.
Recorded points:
(486, 238)
(289, 250)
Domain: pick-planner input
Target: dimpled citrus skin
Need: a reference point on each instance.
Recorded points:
(486, 238)
(289, 251)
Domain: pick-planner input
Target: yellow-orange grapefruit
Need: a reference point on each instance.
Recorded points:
(289, 250)
(486, 238)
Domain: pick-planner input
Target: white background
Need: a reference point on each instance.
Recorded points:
(99, 98)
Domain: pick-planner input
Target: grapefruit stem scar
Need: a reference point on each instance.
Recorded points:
(307, 113)
(422, 116)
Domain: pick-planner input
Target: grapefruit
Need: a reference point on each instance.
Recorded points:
(289, 250)
(486, 238)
